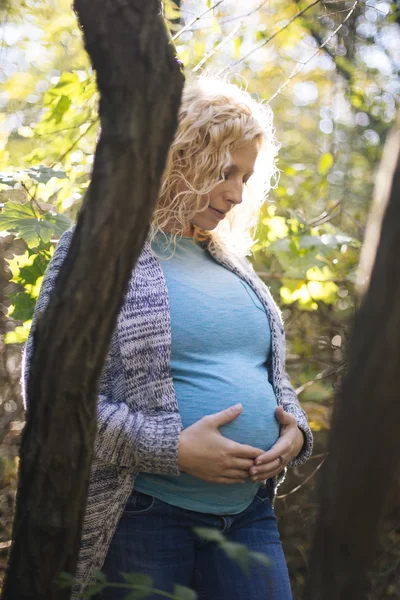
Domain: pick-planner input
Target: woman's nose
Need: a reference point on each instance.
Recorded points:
(236, 198)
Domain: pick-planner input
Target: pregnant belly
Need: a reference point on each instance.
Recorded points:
(260, 430)
(256, 425)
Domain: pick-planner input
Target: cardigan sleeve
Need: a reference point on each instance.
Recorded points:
(144, 441)
(291, 405)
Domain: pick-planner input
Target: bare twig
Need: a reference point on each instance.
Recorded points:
(325, 373)
(271, 37)
(298, 278)
(325, 215)
(28, 191)
(75, 143)
(248, 14)
(217, 47)
(316, 456)
(188, 25)
(301, 65)
(303, 483)
(5, 544)
(66, 128)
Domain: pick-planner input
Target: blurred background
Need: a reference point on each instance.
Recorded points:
(330, 71)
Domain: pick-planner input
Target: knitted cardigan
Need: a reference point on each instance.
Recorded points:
(138, 417)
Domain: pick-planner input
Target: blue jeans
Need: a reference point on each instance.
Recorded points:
(157, 539)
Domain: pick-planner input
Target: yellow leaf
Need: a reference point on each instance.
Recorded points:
(215, 27)
(19, 335)
(237, 42)
(277, 228)
(325, 163)
(19, 86)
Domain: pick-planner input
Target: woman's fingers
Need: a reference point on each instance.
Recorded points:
(236, 473)
(242, 463)
(244, 451)
(281, 447)
(266, 472)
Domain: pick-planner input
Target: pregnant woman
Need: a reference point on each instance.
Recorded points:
(197, 419)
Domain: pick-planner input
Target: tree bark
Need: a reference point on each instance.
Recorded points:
(140, 84)
(364, 452)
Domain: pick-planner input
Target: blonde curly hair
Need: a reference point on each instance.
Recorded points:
(215, 118)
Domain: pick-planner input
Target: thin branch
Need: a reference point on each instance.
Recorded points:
(28, 191)
(377, 9)
(67, 128)
(303, 483)
(41, 211)
(254, 10)
(343, 67)
(75, 143)
(332, 14)
(325, 373)
(360, 225)
(298, 278)
(300, 65)
(271, 37)
(315, 456)
(323, 216)
(217, 47)
(186, 27)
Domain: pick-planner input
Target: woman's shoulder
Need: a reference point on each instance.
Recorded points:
(65, 238)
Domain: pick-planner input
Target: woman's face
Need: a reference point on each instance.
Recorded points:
(228, 193)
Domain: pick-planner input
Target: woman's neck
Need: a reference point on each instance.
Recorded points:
(188, 233)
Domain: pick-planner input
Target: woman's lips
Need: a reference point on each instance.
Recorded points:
(219, 214)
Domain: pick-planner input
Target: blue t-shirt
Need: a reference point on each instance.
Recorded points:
(220, 343)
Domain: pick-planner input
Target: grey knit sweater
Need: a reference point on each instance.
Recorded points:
(138, 417)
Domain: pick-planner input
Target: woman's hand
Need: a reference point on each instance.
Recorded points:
(288, 446)
(205, 453)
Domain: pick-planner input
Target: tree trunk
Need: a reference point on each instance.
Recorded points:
(140, 86)
(364, 449)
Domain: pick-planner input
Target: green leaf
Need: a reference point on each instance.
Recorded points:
(261, 558)
(209, 534)
(59, 110)
(44, 174)
(66, 579)
(67, 85)
(22, 306)
(325, 163)
(138, 594)
(183, 593)
(8, 179)
(29, 274)
(97, 586)
(22, 219)
(14, 214)
(59, 222)
(93, 590)
(100, 577)
(39, 173)
(239, 553)
(145, 582)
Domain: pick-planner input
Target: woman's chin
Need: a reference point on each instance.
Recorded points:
(205, 224)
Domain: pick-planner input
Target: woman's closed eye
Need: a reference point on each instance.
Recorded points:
(228, 174)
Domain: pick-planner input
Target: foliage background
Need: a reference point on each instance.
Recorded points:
(331, 73)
